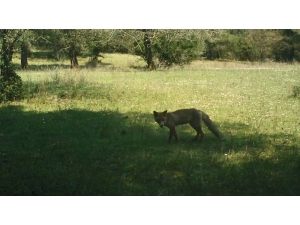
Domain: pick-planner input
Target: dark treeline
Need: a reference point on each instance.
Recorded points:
(254, 45)
(166, 47)
(159, 48)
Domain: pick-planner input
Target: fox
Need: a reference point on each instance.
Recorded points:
(186, 116)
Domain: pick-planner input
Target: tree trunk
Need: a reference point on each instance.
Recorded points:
(73, 58)
(24, 55)
(6, 56)
(148, 51)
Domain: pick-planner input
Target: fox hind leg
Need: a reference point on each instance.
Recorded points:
(198, 129)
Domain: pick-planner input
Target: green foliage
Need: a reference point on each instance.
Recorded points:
(11, 88)
(53, 40)
(296, 46)
(248, 45)
(177, 47)
(263, 42)
(284, 50)
(104, 41)
(171, 47)
(287, 49)
(229, 46)
(73, 43)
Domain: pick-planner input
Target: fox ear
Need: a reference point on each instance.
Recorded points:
(165, 112)
(155, 113)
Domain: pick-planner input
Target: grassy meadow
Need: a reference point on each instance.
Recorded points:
(92, 132)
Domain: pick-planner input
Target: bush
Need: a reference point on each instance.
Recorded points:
(170, 47)
(11, 88)
(296, 91)
(181, 49)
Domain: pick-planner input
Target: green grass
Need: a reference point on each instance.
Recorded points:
(92, 132)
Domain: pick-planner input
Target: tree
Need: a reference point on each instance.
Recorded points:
(98, 41)
(50, 39)
(211, 50)
(148, 49)
(244, 45)
(25, 50)
(287, 49)
(168, 47)
(178, 46)
(229, 44)
(73, 42)
(263, 43)
(68, 43)
(11, 87)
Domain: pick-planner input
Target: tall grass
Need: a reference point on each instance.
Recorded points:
(92, 132)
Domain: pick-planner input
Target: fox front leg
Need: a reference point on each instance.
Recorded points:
(173, 133)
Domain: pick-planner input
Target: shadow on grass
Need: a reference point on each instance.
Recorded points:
(79, 152)
(43, 67)
(54, 66)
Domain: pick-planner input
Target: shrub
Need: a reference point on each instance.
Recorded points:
(179, 49)
(11, 88)
(296, 91)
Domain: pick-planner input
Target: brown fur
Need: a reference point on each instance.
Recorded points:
(184, 116)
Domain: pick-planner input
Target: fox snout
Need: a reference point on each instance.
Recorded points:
(160, 118)
(160, 123)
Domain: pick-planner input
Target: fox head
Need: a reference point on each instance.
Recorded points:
(160, 117)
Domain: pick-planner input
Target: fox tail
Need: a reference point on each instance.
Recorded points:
(211, 126)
